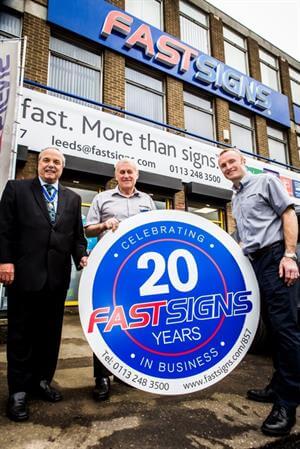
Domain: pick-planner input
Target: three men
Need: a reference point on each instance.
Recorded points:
(107, 210)
(40, 229)
(268, 229)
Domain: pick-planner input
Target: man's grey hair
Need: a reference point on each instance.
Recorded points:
(56, 149)
(126, 161)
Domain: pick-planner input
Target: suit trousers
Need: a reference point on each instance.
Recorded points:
(279, 309)
(34, 334)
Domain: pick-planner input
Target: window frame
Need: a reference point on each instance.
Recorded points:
(297, 82)
(161, 12)
(5, 34)
(196, 22)
(162, 94)
(242, 125)
(244, 50)
(83, 46)
(283, 141)
(210, 113)
(270, 66)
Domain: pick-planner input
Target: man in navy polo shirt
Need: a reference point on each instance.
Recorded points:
(268, 229)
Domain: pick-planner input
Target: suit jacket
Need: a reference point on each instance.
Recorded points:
(39, 250)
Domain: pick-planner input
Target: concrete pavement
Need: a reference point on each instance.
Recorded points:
(217, 418)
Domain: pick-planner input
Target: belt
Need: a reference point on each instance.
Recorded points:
(262, 251)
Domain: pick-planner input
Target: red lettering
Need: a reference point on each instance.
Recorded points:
(117, 318)
(144, 317)
(142, 38)
(168, 53)
(118, 21)
(94, 319)
(156, 311)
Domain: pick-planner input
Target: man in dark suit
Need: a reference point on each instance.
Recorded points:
(40, 229)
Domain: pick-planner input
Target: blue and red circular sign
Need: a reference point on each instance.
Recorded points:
(168, 302)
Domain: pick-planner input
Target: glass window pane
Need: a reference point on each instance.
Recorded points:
(76, 53)
(273, 132)
(267, 58)
(234, 37)
(277, 151)
(147, 10)
(143, 79)
(192, 12)
(193, 34)
(235, 58)
(198, 122)
(197, 101)
(145, 103)
(74, 78)
(240, 118)
(241, 138)
(294, 74)
(10, 24)
(295, 92)
(269, 76)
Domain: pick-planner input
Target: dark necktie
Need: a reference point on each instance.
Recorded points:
(50, 201)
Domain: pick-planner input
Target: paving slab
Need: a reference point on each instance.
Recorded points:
(219, 417)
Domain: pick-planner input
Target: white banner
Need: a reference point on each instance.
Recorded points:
(9, 76)
(85, 132)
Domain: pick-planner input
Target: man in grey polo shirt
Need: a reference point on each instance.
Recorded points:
(106, 212)
(267, 229)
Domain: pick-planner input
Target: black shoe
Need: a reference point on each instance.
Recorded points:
(17, 409)
(48, 393)
(266, 394)
(280, 421)
(102, 388)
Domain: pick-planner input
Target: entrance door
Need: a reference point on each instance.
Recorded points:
(210, 211)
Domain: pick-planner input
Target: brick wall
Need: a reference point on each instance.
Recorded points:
(113, 79)
(37, 51)
(29, 170)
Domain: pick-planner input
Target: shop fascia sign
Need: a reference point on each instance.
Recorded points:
(112, 27)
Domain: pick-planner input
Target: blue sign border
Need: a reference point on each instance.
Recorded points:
(112, 305)
(86, 18)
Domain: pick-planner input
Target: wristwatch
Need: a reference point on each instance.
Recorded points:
(292, 256)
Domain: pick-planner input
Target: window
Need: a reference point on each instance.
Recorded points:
(242, 131)
(74, 70)
(269, 70)
(194, 27)
(198, 115)
(211, 212)
(144, 95)
(10, 25)
(235, 50)
(277, 145)
(149, 11)
(295, 85)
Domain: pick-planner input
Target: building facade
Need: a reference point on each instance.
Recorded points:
(179, 63)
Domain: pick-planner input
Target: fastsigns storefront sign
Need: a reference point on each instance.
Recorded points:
(91, 134)
(112, 27)
(168, 303)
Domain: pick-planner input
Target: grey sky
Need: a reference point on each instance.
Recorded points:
(278, 21)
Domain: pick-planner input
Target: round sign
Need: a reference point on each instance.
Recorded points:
(168, 302)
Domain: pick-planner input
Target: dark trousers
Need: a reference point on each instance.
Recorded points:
(33, 339)
(99, 369)
(280, 313)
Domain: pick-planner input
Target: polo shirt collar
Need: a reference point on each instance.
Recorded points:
(116, 191)
(243, 182)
